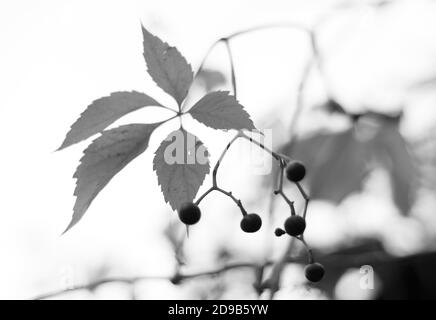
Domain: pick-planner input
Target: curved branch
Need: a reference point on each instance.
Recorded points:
(293, 26)
(232, 66)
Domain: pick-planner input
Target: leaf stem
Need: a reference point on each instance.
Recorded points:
(168, 108)
(305, 197)
(169, 119)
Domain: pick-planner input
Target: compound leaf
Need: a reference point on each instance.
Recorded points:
(167, 67)
(104, 158)
(181, 163)
(220, 110)
(103, 112)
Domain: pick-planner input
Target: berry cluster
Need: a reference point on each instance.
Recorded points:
(294, 226)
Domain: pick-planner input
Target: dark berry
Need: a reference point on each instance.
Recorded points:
(295, 225)
(251, 223)
(295, 171)
(314, 272)
(279, 232)
(189, 213)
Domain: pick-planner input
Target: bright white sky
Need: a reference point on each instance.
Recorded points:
(58, 56)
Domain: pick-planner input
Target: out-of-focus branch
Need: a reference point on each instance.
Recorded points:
(179, 277)
(97, 283)
(342, 257)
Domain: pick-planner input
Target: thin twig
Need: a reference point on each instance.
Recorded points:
(292, 26)
(204, 195)
(201, 66)
(232, 66)
(132, 280)
(220, 159)
(280, 188)
(308, 249)
(275, 155)
(299, 103)
(306, 198)
(203, 61)
(227, 193)
(319, 62)
(94, 284)
(237, 201)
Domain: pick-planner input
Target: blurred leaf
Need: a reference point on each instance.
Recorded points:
(167, 67)
(220, 110)
(103, 112)
(104, 158)
(210, 79)
(391, 149)
(336, 164)
(181, 164)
